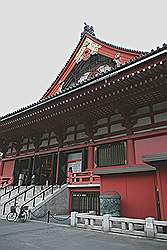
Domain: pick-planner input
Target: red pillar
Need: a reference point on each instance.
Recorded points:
(1, 168)
(160, 194)
(90, 158)
(57, 166)
(130, 152)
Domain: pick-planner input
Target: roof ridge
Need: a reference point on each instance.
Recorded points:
(98, 40)
(131, 61)
(120, 47)
(82, 38)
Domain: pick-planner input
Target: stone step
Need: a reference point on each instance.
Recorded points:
(13, 193)
(21, 201)
(29, 193)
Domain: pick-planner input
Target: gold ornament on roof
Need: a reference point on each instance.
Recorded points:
(88, 44)
(118, 56)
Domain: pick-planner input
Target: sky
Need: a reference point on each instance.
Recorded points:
(37, 37)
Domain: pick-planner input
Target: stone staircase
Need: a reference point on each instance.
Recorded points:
(30, 196)
(10, 192)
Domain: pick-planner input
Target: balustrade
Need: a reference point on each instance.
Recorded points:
(148, 227)
(86, 177)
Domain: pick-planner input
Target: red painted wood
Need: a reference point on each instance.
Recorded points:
(105, 50)
(130, 152)
(162, 186)
(90, 158)
(1, 168)
(137, 193)
(57, 166)
(109, 52)
(86, 177)
(8, 168)
(84, 189)
(149, 146)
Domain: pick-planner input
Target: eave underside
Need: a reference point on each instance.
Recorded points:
(124, 92)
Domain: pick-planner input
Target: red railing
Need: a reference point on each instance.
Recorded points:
(5, 181)
(86, 177)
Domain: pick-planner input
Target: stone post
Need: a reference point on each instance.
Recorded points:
(74, 219)
(21, 179)
(106, 222)
(149, 227)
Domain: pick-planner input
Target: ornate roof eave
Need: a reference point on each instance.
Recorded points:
(97, 40)
(97, 99)
(116, 71)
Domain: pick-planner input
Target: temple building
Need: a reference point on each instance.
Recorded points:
(101, 128)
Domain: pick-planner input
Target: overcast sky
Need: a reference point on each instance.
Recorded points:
(37, 37)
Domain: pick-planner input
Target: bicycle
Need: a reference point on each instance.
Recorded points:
(13, 215)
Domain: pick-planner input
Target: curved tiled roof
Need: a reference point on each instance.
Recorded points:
(119, 47)
(98, 40)
(130, 62)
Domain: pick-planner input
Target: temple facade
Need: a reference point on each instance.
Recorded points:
(101, 128)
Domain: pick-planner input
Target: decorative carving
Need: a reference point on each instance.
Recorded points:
(88, 48)
(17, 144)
(82, 71)
(88, 29)
(60, 134)
(90, 128)
(3, 146)
(117, 59)
(37, 140)
(129, 121)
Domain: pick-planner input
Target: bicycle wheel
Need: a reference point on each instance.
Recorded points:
(11, 216)
(23, 216)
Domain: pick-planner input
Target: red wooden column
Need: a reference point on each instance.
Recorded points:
(159, 182)
(1, 167)
(130, 152)
(90, 158)
(57, 166)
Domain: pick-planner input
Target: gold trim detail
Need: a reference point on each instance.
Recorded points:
(88, 44)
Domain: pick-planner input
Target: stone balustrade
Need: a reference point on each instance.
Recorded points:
(148, 227)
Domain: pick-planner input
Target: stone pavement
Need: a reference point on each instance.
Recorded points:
(43, 236)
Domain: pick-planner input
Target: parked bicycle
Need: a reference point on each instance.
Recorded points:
(14, 215)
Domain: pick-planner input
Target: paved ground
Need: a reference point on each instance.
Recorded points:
(43, 236)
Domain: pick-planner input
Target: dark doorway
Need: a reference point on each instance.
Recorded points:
(62, 175)
(23, 167)
(83, 202)
(75, 161)
(45, 169)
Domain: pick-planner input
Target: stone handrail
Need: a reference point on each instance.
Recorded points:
(43, 193)
(158, 224)
(14, 199)
(14, 188)
(148, 227)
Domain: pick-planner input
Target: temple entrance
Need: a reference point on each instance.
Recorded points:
(74, 161)
(22, 171)
(83, 202)
(45, 169)
(62, 175)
